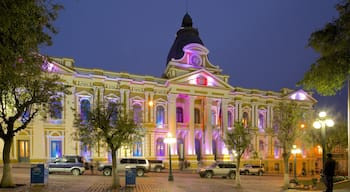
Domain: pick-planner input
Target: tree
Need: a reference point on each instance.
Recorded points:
(286, 121)
(329, 73)
(336, 136)
(238, 139)
(24, 86)
(331, 70)
(110, 123)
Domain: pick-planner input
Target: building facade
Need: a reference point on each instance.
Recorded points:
(192, 100)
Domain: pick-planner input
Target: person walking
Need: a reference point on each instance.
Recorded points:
(328, 172)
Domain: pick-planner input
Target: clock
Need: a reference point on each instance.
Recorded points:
(195, 60)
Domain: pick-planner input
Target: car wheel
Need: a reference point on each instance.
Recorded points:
(158, 169)
(209, 174)
(75, 172)
(246, 172)
(232, 175)
(260, 173)
(107, 171)
(140, 172)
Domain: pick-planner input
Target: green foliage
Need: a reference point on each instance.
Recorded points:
(336, 136)
(108, 123)
(331, 70)
(238, 139)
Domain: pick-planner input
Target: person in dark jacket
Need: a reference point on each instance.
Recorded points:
(328, 172)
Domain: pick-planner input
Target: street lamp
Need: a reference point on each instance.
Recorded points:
(321, 123)
(170, 140)
(295, 151)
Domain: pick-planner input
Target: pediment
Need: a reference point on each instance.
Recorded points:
(200, 77)
(55, 65)
(301, 95)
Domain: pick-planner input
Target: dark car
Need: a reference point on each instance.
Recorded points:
(68, 164)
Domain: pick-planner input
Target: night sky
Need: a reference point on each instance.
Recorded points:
(261, 44)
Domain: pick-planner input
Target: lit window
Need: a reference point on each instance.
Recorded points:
(160, 147)
(179, 115)
(84, 109)
(160, 116)
(245, 119)
(197, 117)
(137, 113)
(137, 149)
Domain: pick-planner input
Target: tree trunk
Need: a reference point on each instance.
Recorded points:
(238, 176)
(115, 175)
(7, 179)
(286, 171)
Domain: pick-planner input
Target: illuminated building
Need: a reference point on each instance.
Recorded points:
(192, 100)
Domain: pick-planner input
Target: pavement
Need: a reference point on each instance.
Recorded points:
(156, 182)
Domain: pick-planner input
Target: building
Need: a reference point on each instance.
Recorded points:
(192, 100)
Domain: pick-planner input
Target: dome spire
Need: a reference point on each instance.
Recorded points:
(187, 21)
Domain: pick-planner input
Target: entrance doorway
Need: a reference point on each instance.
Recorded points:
(23, 151)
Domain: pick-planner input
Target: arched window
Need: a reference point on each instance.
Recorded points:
(137, 149)
(160, 147)
(261, 122)
(197, 116)
(245, 119)
(261, 145)
(160, 116)
(276, 149)
(112, 108)
(137, 114)
(26, 115)
(55, 108)
(179, 115)
(229, 119)
(84, 109)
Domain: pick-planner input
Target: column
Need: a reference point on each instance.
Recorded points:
(146, 108)
(152, 108)
(208, 128)
(172, 117)
(191, 136)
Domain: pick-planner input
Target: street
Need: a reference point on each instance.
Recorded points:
(183, 182)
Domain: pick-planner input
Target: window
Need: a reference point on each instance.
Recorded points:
(261, 122)
(55, 108)
(84, 109)
(55, 148)
(245, 119)
(26, 115)
(137, 113)
(112, 108)
(137, 149)
(179, 115)
(277, 167)
(160, 147)
(160, 116)
(261, 145)
(229, 119)
(197, 116)
(276, 149)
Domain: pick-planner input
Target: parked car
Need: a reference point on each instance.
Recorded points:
(223, 169)
(252, 170)
(156, 165)
(68, 163)
(141, 165)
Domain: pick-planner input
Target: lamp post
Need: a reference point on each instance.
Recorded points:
(295, 151)
(321, 123)
(170, 140)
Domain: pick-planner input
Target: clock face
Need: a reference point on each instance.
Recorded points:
(195, 60)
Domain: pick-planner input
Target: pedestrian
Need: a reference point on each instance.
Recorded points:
(92, 166)
(328, 172)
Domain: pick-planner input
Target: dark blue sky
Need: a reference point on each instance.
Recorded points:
(261, 44)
